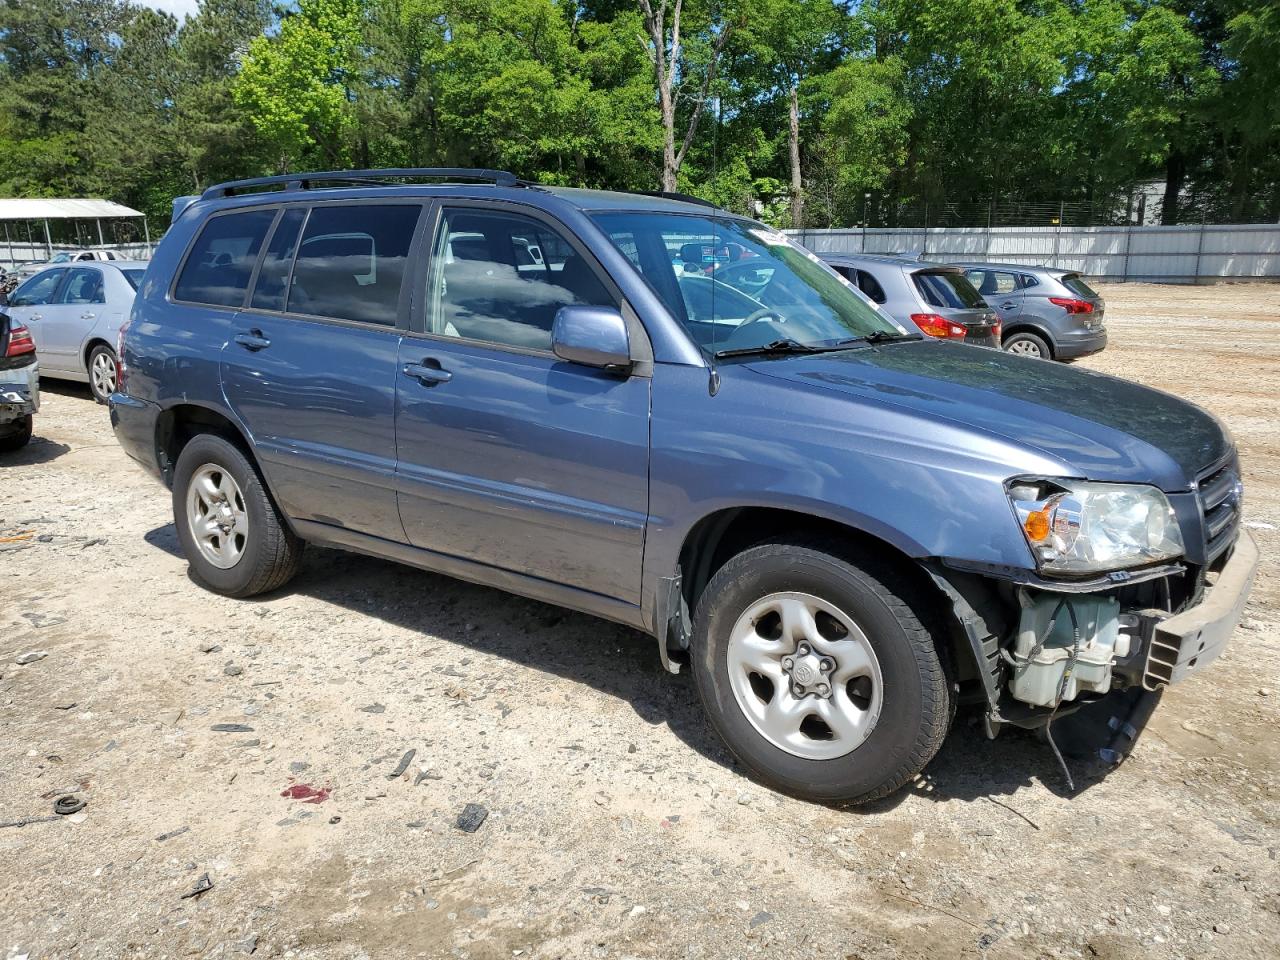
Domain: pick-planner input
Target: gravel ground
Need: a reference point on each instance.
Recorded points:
(617, 825)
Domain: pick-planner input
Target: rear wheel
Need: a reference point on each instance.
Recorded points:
(16, 434)
(1026, 344)
(231, 531)
(102, 372)
(819, 673)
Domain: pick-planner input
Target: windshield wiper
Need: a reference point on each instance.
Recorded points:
(884, 336)
(785, 345)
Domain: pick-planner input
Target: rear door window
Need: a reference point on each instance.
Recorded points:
(272, 287)
(221, 261)
(992, 283)
(351, 262)
(946, 289)
(870, 286)
(84, 285)
(1075, 283)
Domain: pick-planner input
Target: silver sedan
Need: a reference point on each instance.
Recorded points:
(74, 313)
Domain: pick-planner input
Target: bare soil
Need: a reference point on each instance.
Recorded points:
(617, 825)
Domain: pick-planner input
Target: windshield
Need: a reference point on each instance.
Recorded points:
(945, 288)
(60, 258)
(134, 276)
(735, 284)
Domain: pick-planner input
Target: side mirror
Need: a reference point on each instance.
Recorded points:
(591, 336)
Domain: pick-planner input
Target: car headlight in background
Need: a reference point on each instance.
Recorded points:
(1074, 526)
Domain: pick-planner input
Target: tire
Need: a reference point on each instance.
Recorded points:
(18, 434)
(102, 372)
(902, 731)
(1028, 344)
(261, 553)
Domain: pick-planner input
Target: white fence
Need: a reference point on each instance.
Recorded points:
(1185, 254)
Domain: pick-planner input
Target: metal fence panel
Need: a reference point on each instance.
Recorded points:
(1188, 253)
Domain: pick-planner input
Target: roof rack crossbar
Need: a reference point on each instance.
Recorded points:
(307, 181)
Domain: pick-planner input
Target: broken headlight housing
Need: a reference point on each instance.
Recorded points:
(1079, 527)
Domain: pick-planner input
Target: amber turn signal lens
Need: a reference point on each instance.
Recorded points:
(1037, 525)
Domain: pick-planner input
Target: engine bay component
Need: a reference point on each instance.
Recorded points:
(1064, 646)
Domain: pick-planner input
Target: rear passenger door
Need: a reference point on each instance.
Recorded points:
(509, 456)
(1001, 290)
(310, 368)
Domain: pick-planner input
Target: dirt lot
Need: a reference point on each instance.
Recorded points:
(618, 826)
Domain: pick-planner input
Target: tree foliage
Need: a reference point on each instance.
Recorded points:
(810, 112)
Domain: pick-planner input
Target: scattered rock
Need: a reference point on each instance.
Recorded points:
(248, 944)
(1222, 928)
(172, 833)
(231, 670)
(374, 708)
(402, 766)
(31, 656)
(473, 815)
(760, 918)
(231, 728)
(95, 542)
(298, 766)
(636, 911)
(65, 706)
(208, 647)
(203, 885)
(41, 620)
(425, 774)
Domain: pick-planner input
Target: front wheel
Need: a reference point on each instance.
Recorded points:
(819, 673)
(231, 531)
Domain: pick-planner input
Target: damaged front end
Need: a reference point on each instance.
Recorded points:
(1047, 642)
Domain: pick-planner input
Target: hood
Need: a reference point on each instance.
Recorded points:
(1103, 427)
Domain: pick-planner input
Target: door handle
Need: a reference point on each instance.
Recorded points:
(253, 340)
(1009, 305)
(428, 372)
(36, 316)
(87, 316)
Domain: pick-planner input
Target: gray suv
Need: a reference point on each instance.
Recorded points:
(1047, 313)
(675, 418)
(933, 297)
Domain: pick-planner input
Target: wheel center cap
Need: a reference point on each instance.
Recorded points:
(809, 671)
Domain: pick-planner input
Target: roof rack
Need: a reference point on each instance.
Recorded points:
(309, 181)
(672, 195)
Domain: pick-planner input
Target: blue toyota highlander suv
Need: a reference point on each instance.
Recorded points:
(658, 412)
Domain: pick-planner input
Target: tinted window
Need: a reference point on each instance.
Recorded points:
(947, 290)
(220, 263)
(39, 289)
(501, 278)
(871, 286)
(272, 287)
(351, 262)
(83, 286)
(1028, 280)
(134, 277)
(1074, 283)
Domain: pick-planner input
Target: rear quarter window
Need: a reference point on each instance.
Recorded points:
(220, 264)
(870, 286)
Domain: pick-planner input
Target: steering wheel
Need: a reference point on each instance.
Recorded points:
(763, 315)
(730, 273)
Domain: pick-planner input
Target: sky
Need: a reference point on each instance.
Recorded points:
(179, 8)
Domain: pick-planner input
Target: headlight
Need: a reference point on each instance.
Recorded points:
(1077, 527)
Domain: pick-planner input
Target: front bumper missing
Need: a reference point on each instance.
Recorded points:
(19, 392)
(1181, 644)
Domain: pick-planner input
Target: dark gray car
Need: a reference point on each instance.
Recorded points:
(1047, 313)
(933, 297)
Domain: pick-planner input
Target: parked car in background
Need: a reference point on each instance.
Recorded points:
(19, 384)
(74, 313)
(65, 256)
(842, 527)
(932, 297)
(1047, 313)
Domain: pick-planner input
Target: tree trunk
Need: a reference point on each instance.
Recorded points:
(669, 165)
(1175, 176)
(793, 144)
